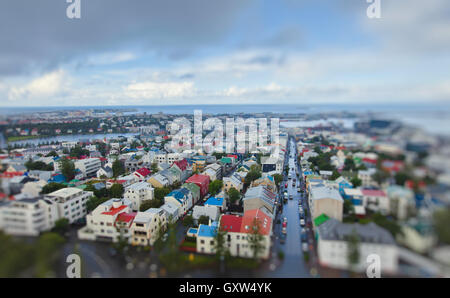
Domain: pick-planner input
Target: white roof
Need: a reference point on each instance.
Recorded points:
(353, 191)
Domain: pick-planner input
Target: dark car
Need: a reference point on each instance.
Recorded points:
(283, 238)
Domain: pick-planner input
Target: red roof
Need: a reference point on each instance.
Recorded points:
(144, 172)
(373, 192)
(264, 221)
(181, 164)
(197, 178)
(231, 223)
(126, 217)
(369, 160)
(10, 174)
(114, 211)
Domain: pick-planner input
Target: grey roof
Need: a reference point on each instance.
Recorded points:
(333, 229)
(324, 192)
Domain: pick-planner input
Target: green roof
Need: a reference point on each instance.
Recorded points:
(320, 219)
(83, 186)
(226, 160)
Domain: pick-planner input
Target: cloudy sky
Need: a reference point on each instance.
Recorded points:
(163, 52)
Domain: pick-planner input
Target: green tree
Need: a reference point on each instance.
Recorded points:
(234, 195)
(51, 187)
(401, 178)
(255, 239)
(220, 245)
(161, 192)
(215, 186)
(188, 221)
(154, 168)
(441, 224)
(118, 168)
(380, 176)
(277, 178)
(67, 169)
(52, 153)
(335, 175)
(356, 182)
(116, 190)
(353, 250)
(61, 226)
(77, 151)
(93, 202)
(203, 220)
(349, 164)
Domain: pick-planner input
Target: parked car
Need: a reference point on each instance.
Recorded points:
(305, 246)
(291, 197)
(302, 222)
(284, 230)
(284, 224)
(283, 238)
(284, 219)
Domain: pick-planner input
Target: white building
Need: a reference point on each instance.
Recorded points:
(28, 217)
(71, 202)
(366, 177)
(325, 200)
(88, 166)
(106, 222)
(137, 193)
(333, 245)
(146, 226)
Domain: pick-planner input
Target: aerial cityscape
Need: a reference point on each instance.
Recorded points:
(224, 139)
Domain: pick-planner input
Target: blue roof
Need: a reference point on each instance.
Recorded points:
(207, 231)
(214, 201)
(192, 230)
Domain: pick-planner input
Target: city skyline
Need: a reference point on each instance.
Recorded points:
(202, 52)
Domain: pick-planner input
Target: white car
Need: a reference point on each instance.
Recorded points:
(305, 246)
(302, 222)
(284, 230)
(285, 219)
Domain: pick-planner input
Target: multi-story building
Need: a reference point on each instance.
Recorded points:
(333, 245)
(71, 202)
(137, 193)
(146, 226)
(89, 166)
(325, 200)
(28, 217)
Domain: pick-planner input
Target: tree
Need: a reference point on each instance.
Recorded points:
(252, 175)
(401, 178)
(61, 226)
(441, 222)
(118, 168)
(353, 250)
(348, 207)
(215, 187)
(188, 221)
(77, 151)
(255, 239)
(147, 204)
(161, 192)
(203, 220)
(67, 169)
(335, 175)
(356, 182)
(116, 190)
(154, 168)
(380, 176)
(277, 178)
(234, 195)
(52, 153)
(349, 164)
(51, 187)
(220, 246)
(38, 165)
(93, 202)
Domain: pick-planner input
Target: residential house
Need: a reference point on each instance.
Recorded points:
(333, 245)
(137, 193)
(325, 200)
(201, 181)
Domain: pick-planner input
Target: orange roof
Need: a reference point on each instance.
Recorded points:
(264, 221)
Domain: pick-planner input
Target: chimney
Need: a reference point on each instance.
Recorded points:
(117, 203)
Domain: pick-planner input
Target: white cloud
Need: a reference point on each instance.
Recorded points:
(158, 90)
(47, 85)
